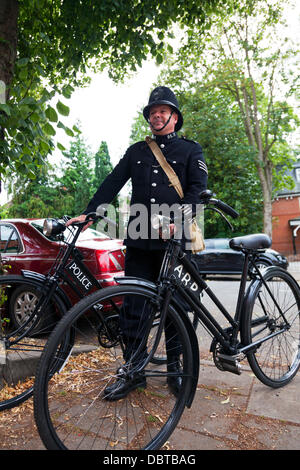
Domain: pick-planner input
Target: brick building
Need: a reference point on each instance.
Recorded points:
(286, 217)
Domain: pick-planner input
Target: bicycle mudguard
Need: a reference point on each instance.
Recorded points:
(38, 279)
(252, 288)
(33, 275)
(195, 349)
(135, 281)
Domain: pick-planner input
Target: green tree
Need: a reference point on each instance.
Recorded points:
(56, 190)
(103, 165)
(77, 177)
(213, 119)
(47, 48)
(35, 198)
(250, 56)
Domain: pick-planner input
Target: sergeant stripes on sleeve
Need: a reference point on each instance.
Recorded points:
(202, 166)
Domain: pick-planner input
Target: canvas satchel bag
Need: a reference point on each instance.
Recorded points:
(197, 241)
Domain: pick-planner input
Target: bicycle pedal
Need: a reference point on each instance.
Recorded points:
(228, 363)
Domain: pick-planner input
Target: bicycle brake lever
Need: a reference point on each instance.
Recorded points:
(221, 213)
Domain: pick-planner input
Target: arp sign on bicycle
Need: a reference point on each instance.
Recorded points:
(186, 279)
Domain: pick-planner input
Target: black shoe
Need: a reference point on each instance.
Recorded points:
(174, 382)
(123, 386)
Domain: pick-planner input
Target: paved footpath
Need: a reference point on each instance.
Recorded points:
(229, 412)
(233, 412)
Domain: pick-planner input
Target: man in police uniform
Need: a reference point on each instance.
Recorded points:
(150, 186)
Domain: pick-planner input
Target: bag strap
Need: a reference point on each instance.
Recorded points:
(173, 178)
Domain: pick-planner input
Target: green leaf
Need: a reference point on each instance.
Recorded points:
(4, 107)
(20, 138)
(159, 59)
(35, 117)
(69, 131)
(31, 175)
(44, 146)
(67, 91)
(75, 129)
(62, 109)
(22, 62)
(23, 74)
(51, 114)
(48, 129)
(60, 146)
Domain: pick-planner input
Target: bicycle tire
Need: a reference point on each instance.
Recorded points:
(19, 355)
(72, 412)
(276, 361)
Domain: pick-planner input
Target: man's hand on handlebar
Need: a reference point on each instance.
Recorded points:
(80, 218)
(167, 232)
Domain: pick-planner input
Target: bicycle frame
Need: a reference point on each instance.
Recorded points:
(227, 337)
(56, 273)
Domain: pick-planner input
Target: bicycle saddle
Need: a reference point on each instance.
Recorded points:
(257, 241)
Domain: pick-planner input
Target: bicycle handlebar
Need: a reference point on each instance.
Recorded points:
(94, 216)
(225, 208)
(207, 197)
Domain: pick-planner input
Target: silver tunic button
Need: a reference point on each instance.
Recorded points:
(153, 184)
(162, 146)
(152, 199)
(138, 162)
(155, 171)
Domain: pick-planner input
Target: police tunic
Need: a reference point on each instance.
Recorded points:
(150, 184)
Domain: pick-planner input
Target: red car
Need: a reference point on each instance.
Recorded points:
(23, 246)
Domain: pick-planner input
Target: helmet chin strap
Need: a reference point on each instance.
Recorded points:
(162, 128)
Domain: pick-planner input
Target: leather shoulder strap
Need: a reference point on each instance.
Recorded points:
(173, 178)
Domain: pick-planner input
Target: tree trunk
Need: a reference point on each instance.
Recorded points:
(9, 10)
(265, 179)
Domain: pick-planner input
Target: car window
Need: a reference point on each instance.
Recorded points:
(91, 233)
(217, 244)
(88, 234)
(9, 239)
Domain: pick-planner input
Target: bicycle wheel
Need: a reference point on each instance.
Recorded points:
(72, 410)
(274, 311)
(21, 346)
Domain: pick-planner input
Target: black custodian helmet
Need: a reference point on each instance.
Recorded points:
(163, 95)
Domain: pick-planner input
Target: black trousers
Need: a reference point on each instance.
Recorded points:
(133, 319)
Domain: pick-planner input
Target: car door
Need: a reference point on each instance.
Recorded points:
(219, 258)
(226, 260)
(10, 243)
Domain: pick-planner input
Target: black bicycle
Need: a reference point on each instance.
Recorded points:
(39, 301)
(72, 407)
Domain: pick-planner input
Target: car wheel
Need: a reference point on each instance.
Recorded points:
(22, 303)
(261, 264)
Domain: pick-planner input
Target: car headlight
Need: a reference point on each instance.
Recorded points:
(53, 227)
